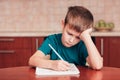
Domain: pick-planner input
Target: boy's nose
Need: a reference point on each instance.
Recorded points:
(72, 39)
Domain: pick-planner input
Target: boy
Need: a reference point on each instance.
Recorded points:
(74, 45)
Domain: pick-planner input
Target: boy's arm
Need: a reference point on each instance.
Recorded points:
(36, 57)
(39, 59)
(94, 59)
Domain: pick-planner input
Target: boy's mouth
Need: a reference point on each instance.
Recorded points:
(68, 44)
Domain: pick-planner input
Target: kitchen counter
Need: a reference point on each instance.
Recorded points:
(27, 34)
(46, 33)
(103, 34)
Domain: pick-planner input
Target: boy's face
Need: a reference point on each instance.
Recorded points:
(70, 37)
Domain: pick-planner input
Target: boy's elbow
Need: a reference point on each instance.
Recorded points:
(98, 66)
(30, 62)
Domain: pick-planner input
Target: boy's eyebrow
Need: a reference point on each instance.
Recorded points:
(69, 32)
(73, 34)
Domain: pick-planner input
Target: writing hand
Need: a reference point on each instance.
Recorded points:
(60, 65)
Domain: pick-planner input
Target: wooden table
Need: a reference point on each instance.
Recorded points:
(28, 73)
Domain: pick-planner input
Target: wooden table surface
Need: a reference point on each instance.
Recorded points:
(28, 73)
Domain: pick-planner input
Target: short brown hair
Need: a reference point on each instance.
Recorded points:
(79, 18)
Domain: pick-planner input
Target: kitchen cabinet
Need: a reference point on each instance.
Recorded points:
(14, 51)
(36, 43)
(109, 49)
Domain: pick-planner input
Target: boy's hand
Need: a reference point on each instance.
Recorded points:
(60, 65)
(85, 33)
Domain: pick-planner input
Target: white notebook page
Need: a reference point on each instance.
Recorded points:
(41, 71)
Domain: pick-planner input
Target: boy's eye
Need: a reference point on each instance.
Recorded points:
(78, 37)
(69, 33)
(72, 35)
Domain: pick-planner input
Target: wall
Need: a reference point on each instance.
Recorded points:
(46, 15)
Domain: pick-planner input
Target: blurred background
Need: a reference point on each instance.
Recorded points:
(46, 15)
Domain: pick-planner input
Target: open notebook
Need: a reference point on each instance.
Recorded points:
(41, 71)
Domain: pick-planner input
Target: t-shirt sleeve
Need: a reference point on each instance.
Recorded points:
(45, 47)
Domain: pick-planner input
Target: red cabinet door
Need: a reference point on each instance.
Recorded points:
(36, 43)
(114, 51)
(102, 44)
(109, 49)
(15, 51)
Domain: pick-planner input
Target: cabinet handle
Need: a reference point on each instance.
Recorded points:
(102, 46)
(7, 39)
(36, 43)
(6, 51)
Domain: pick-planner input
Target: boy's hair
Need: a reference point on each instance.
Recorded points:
(79, 18)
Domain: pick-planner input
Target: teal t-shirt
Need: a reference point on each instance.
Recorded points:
(76, 54)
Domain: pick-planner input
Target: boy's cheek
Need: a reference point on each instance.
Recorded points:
(76, 42)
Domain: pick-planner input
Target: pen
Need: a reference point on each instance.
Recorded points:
(72, 65)
(55, 52)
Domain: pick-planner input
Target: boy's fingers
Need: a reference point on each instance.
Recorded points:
(66, 65)
(90, 30)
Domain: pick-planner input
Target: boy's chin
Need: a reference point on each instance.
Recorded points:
(69, 45)
(66, 45)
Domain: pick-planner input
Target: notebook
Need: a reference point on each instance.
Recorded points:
(42, 71)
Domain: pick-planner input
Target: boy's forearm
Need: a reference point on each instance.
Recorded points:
(40, 63)
(95, 59)
(45, 64)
